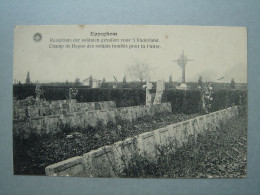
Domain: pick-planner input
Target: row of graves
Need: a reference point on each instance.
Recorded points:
(49, 117)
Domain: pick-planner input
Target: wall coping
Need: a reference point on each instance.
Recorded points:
(63, 165)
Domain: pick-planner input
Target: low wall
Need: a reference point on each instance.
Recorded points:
(52, 108)
(54, 124)
(109, 161)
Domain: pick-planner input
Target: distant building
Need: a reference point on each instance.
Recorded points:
(95, 83)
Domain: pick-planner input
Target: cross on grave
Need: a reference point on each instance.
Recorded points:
(38, 92)
(148, 87)
(182, 62)
(159, 91)
(72, 93)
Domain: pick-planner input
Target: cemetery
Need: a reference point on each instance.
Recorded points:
(99, 139)
(113, 160)
(140, 132)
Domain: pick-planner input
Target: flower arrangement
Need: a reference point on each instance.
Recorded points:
(207, 91)
(73, 93)
(38, 92)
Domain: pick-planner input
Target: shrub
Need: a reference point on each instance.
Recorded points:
(226, 98)
(190, 102)
(122, 97)
(182, 101)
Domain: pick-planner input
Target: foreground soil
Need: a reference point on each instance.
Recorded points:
(218, 153)
(32, 155)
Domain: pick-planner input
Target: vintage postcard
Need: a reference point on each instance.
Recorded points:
(130, 101)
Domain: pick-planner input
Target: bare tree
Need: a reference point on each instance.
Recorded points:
(139, 71)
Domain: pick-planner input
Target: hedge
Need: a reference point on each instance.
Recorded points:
(190, 101)
(187, 102)
(122, 97)
(50, 93)
(21, 92)
(226, 98)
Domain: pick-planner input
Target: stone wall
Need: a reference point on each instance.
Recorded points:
(53, 124)
(53, 108)
(109, 161)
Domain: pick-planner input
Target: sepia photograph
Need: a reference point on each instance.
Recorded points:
(130, 101)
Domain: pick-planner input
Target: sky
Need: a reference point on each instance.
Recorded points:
(216, 52)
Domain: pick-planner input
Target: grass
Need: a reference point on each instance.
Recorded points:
(218, 153)
(33, 154)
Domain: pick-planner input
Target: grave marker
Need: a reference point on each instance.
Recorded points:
(148, 87)
(159, 91)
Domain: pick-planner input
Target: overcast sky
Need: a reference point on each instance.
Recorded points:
(216, 52)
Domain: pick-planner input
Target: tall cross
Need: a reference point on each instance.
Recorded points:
(182, 61)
